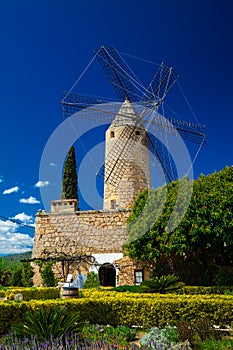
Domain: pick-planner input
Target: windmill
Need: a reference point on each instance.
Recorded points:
(131, 123)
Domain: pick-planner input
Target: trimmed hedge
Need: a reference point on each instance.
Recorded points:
(184, 290)
(205, 290)
(31, 293)
(158, 310)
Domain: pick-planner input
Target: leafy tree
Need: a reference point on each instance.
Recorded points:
(47, 275)
(69, 184)
(5, 271)
(92, 280)
(16, 277)
(27, 275)
(201, 244)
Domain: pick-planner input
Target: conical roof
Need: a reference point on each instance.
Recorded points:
(126, 115)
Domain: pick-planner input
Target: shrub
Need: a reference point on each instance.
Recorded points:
(193, 331)
(126, 288)
(165, 338)
(163, 284)
(27, 275)
(205, 290)
(44, 323)
(92, 281)
(69, 343)
(224, 277)
(121, 334)
(130, 309)
(47, 275)
(32, 293)
(213, 344)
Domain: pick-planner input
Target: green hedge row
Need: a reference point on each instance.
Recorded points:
(205, 290)
(138, 311)
(30, 293)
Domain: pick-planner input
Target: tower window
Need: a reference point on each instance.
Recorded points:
(113, 204)
(137, 132)
(138, 277)
(112, 134)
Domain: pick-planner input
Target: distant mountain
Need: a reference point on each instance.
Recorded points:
(18, 257)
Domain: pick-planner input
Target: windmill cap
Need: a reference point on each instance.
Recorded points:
(126, 115)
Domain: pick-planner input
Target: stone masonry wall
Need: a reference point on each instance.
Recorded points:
(80, 232)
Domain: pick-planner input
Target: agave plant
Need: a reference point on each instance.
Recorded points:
(163, 284)
(46, 323)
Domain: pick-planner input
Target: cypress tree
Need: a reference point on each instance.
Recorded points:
(70, 182)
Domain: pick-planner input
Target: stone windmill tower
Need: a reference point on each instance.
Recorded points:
(132, 135)
(127, 172)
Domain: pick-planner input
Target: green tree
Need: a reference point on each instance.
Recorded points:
(202, 244)
(27, 274)
(92, 280)
(47, 275)
(69, 183)
(5, 271)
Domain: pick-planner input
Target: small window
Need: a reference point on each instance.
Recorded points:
(137, 132)
(112, 134)
(113, 204)
(138, 277)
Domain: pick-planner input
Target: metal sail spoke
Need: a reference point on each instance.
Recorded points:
(163, 156)
(72, 102)
(163, 80)
(188, 131)
(115, 70)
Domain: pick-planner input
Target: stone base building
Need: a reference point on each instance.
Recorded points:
(99, 233)
(102, 233)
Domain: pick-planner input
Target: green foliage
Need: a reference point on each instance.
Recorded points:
(165, 338)
(196, 332)
(5, 271)
(127, 309)
(46, 323)
(92, 281)
(213, 344)
(202, 244)
(47, 275)
(121, 334)
(205, 290)
(15, 273)
(69, 183)
(31, 293)
(16, 277)
(126, 288)
(18, 257)
(163, 284)
(27, 275)
(224, 277)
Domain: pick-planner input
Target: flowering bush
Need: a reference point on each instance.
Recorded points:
(72, 342)
(120, 335)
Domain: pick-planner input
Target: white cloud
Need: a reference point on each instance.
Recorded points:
(11, 241)
(8, 225)
(30, 200)
(53, 164)
(11, 190)
(26, 219)
(41, 184)
(1, 178)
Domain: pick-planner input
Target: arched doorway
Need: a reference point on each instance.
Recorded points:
(107, 275)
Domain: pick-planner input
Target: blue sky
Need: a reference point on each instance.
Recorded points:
(45, 45)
